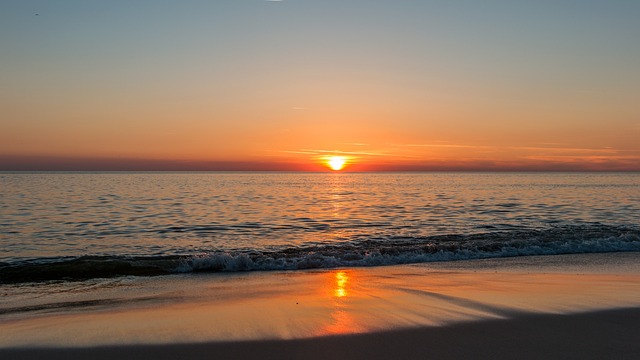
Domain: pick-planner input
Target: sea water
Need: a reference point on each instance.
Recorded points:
(79, 226)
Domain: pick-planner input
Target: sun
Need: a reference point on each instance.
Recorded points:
(336, 163)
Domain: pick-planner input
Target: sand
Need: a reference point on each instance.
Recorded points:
(568, 307)
(610, 334)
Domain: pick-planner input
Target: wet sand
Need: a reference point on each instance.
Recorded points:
(609, 334)
(577, 306)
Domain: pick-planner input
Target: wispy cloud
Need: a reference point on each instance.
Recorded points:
(553, 148)
(619, 161)
(441, 145)
(325, 152)
(321, 151)
(296, 152)
(563, 149)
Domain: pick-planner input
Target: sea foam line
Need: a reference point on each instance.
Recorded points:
(357, 253)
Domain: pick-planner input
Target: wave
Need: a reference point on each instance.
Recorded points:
(392, 250)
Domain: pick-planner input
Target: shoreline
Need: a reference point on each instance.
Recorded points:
(563, 306)
(591, 335)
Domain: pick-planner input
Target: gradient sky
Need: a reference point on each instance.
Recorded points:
(278, 85)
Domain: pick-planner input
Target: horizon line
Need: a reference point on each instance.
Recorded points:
(31, 163)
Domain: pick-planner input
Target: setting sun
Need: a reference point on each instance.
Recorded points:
(336, 162)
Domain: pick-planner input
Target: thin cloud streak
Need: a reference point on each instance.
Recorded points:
(533, 148)
(319, 152)
(295, 152)
(583, 158)
(322, 152)
(536, 148)
(441, 145)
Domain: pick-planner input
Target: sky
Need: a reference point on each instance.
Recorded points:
(403, 85)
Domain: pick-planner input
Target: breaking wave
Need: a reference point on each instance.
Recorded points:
(356, 253)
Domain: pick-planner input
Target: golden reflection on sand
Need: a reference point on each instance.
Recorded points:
(342, 320)
(341, 284)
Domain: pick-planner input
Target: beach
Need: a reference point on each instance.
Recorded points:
(595, 335)
(567, 306)
(281, 179)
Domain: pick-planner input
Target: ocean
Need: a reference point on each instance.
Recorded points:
(81, 226)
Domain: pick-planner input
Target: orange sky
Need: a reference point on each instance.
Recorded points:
(280, 85)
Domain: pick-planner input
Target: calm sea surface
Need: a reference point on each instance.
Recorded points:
(52, 225)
